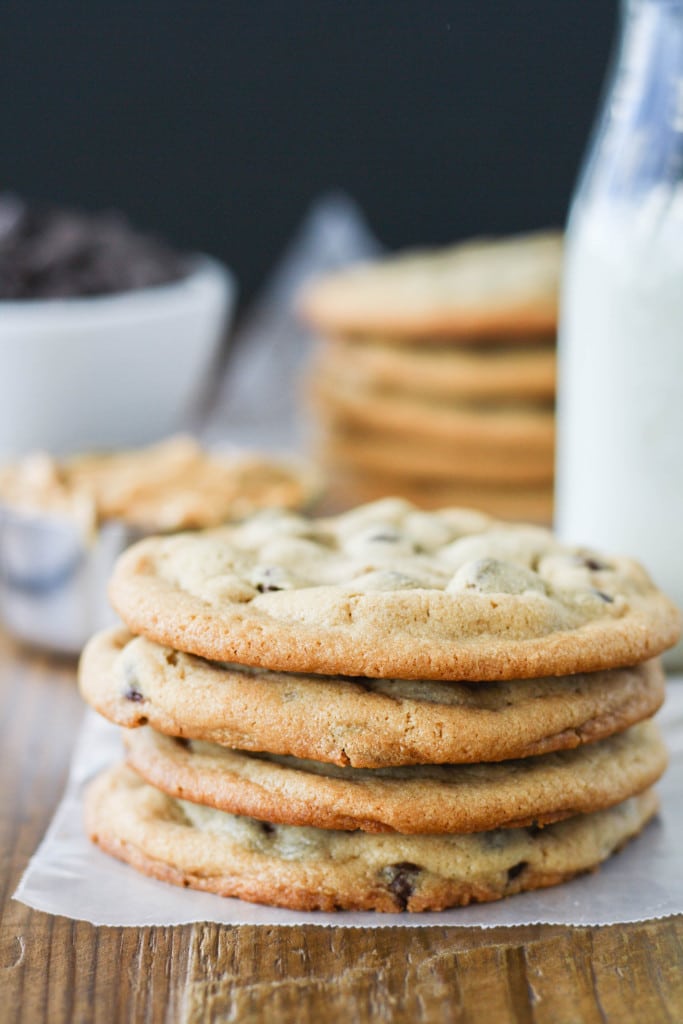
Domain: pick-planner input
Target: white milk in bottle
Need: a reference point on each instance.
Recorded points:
(620, 391)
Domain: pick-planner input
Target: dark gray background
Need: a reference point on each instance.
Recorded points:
(218, 123)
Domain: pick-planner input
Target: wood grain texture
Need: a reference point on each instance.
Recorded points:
(56, 970)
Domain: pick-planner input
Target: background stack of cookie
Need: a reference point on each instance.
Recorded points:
(391, 709)
(435, 377)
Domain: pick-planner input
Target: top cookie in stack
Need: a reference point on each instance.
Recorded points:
(436, 377)
(386, 590)
(390, 709)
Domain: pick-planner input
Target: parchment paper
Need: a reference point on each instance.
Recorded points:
(69, 876)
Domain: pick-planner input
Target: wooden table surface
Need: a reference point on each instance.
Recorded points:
(58, 970)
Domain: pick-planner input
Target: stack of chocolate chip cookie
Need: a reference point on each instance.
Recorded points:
(436, 376)
(391, 709)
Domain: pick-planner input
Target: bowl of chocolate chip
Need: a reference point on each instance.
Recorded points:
(107, 335)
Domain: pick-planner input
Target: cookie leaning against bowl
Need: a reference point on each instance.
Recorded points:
(386, 590)
(176, 485)
(503, 288)
(314, 869)
(420, 799)
(165, 487)
(364, 723)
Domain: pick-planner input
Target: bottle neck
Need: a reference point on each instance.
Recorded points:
(639, 140)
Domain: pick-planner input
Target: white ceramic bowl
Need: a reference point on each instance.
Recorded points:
(112, 371)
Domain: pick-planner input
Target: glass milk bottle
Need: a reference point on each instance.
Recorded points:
(620, 393)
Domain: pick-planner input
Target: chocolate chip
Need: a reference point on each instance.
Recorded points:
(604, 597)
(46, 252)
(182, 742)
(594, 565)
(267, 828)
(517, 869)
(401, 880)
(132, 691)
(269, 582)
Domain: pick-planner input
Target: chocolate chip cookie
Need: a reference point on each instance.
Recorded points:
(365, 723)
(387, 590)
(499, 288)
(417, 799)
(317, 869)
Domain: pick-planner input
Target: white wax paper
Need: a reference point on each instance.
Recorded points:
(71, 877)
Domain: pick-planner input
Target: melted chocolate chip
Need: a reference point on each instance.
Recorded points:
(182, 742)
(594, 565)
(496, 839)
(132, 691)
(517, 869)
(401, 881)
(265, 588)
(267, 828)
(604, 597)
